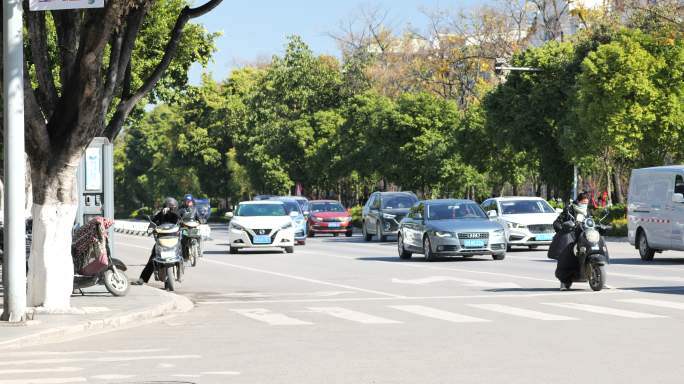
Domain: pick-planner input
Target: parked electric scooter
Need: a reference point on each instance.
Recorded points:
(168, 257)
(93, 261)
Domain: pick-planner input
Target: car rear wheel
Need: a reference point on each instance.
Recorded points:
(427, 250)
(366, 236)
(645, 251)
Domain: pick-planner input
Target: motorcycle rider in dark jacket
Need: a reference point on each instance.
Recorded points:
(561, 247)
(188, 209)
(168, 214)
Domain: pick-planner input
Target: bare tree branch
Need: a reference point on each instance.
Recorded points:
(46, 92)
(126, 105)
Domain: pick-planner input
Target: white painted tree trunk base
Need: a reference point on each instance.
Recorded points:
(51, 269)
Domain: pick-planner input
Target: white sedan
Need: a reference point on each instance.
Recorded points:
(528, 220)
(260, 224)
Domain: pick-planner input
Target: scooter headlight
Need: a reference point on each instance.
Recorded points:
(593, 236)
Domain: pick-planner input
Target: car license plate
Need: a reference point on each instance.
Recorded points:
(333, 225)
(262, 239)
(470, 243)
(544, 237)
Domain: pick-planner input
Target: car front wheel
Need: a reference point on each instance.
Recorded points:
(366, 236)
(403, 253)
(427, 249)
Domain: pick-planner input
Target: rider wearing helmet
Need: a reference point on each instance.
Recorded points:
(188, 209)
(168, 214)
(561, 247)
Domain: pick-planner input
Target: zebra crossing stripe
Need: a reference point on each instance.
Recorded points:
(655, 303)
(358, 317)
(521, 312)
(606, 310)
(272, 318)
(438, 314)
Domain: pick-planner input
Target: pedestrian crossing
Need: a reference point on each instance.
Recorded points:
(637, 309)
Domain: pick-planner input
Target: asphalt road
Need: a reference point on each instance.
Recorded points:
(340, 310)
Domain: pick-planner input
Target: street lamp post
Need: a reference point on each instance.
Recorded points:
(14, 267)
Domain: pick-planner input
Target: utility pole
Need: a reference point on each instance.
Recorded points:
(14, 267)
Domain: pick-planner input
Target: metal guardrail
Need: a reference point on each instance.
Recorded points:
(139, 228)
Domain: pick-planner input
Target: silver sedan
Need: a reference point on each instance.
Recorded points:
(450, 227)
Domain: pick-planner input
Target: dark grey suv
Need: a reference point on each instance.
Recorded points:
(383, 212)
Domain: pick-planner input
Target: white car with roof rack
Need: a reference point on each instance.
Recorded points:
(261, 224)
(528, 220)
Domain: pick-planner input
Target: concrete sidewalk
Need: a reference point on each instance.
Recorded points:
(95, 312)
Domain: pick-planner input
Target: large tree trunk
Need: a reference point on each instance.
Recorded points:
(50, 278)
(617, 183)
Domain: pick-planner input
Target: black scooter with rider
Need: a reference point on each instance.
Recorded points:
(168, 214)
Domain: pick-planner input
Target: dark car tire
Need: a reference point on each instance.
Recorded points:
(348, 234)
(509, 248)
(289, 249)
(500, 256)
(311, 233)
(381, 237)
(427, 250)
(531, 247)
(403, 253)
(645, 251)
(232, 250)
(366, 235)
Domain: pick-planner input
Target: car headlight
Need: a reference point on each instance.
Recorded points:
(515, 225)
(287, 225)
(499, 232)
(388, 216)
(236, 226)
(444, 234)
(345, 219)
(317, 218)
(593, 236)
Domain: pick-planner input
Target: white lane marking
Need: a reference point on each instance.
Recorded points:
(272, 318)
(39, 370)
(165, 365)
(226, 373)
(358, 317)
(62, 380)
(106, 359)
(606, 310)
(655, 303)
(112, 377)
(301, 278)
(186, 375)
(413, 298)
(466, 282)
(438, 314)
(416, 265)
(63, 353)
(673, 279)
(264, 295)
(521, 312)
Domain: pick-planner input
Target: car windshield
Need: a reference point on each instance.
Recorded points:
(291, 206)
(303, 204)
(394, 202)
(515, 207)
(326, 207)
(261, 210)
(451, 211)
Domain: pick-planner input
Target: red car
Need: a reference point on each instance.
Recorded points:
(328, 216)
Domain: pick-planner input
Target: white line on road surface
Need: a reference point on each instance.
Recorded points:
(606, 310)
(39, 370)
(63, 353)
(227, 373)
(438, 314)
(358, 317)
(112, 376)
(98, 359)
(412, 298)
(655, 303)
(272, 318)
(521, 312)
(63, 380)
(466, 282)
(301, 278)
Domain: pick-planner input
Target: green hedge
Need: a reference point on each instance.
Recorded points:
(356, 215)
(618, 228)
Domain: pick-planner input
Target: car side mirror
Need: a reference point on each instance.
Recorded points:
(678, 198)
(492, 214)
(306, 213)
(558, 210)
(229, 215)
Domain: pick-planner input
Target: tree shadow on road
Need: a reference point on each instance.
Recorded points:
(655, 261)
(668, 290)
(549, 289)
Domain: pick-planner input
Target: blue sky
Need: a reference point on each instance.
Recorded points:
(258, 28)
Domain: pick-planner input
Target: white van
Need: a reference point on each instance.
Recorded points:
(655, 210)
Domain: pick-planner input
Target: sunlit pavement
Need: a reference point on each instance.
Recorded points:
(340, 310)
